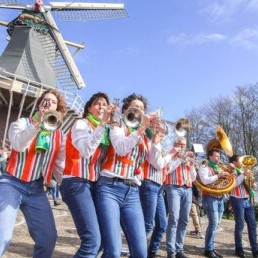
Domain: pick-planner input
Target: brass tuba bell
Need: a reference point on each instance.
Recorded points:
(220, 142)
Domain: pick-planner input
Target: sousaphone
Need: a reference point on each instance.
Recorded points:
(221, 186)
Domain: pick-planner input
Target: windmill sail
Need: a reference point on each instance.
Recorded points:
(37, 58)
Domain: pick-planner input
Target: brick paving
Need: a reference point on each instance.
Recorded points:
(68, 241)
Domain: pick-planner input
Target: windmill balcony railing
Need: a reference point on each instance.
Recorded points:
(34, 89)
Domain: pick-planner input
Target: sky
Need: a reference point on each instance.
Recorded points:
(179, 54)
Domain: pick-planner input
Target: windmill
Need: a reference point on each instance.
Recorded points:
(37, 57)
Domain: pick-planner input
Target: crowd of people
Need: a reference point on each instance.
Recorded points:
(113, 177)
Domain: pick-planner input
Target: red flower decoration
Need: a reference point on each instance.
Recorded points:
(137, 171)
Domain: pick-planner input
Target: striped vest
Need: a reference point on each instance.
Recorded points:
(30, 165)
(212, 173)
(151, 173)
(125, 166)
(181, 176)
(240, 191)
(76, 165)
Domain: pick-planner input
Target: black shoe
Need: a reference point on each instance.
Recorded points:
(210, 254)
(240, 253)
(151, 254)
(255, 254)
(218, 255)
(171, 255)
(56, 203)
(181, 255)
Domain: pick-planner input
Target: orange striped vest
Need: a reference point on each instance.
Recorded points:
(212, 173)
(151, 173)
(30, 165)
(76, 165)
(240, 191)
(125, 166)
(181, 176)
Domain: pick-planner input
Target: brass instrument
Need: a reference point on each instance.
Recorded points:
(223, 185)
(133, 117)
(52, 120)
(196, 161)
(181, 126)
(115, 119)
(249, 162)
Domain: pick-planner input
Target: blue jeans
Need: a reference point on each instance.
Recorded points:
(30, 198)
(53, 190)
(244, 211)
(179, 199)
(118, 203)
(153, 206)
(77, 193)
(214, 208)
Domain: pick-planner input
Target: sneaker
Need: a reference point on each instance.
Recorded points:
(199, 235)
(193, 233)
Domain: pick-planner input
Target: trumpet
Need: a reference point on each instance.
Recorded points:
(198, 162)
(181, 126)
(133, 117)
(52, 120)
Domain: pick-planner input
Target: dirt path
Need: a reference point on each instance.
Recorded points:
(68, 240)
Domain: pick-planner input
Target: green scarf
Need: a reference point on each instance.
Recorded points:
(214, 166)
(95, 122)
(249, 189)
(43, 138)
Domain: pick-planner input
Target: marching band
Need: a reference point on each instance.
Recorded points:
(114, 174)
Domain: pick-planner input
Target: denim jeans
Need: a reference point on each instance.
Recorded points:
(119, 203)
(179, 199)
(214, 208)
(53, 191)
(77, 193)
(32, 201)
(154, 210)
(244, 211)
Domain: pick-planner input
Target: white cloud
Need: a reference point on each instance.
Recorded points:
(223, 10)
(247, 39)
(183, 39)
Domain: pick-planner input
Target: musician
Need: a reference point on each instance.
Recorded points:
(242, 208)
(212, 203)
(85, 149)
(152, 195)
(179, 198)
(117, 194)
(36, 155)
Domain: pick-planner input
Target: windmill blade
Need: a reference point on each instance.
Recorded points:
(13, 6)
(64, 50)
(87, 11)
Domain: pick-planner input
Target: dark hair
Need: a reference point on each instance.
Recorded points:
(128, 100)
(95, 97)
(211, 152)
(235, 158)
(61, 103)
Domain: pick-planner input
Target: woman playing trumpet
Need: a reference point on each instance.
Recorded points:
(117, 194)
(85, 150)
(36, 155)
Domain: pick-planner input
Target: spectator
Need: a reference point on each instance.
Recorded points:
(195, 213)
(52, 187)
